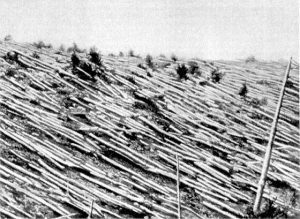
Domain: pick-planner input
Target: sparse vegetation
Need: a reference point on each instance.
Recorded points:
(121, 54)
(110, 133)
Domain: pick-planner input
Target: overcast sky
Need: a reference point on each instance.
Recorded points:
(212, 29)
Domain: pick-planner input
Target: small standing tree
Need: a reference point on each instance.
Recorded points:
(62, 48)
(149, 61)
(75, 60)
(95, 56)
(131, 53)
(243, 91)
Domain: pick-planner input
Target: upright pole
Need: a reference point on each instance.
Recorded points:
(266, 163)
(91, 210)
(178, 191)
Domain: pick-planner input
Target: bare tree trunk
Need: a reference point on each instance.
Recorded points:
(266, 163)
(178, 191)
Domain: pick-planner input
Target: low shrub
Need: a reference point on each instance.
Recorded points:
(255, 102)
(35, 55)
(194, 68)
(95, 56)
(40, 44)
(131, 53)
(244, 90)
(8, 38)
(216, 75)
(250, 59)
(269, 210)
(182, 71)
(11, 72)
(140, 65)
(264, 82)
(121, 54)
(62, 48)
(174, 58)
(75, 48)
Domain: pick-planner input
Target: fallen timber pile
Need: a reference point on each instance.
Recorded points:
(66, 141)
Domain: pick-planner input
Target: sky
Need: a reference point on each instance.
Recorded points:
(210, 29)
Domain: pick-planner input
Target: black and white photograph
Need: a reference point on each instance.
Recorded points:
(149, 109)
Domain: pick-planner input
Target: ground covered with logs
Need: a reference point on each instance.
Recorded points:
(74, 131)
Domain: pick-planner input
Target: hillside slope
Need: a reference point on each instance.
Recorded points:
(65, 141)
